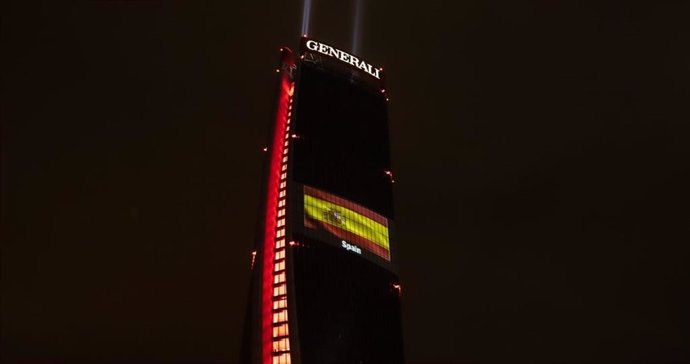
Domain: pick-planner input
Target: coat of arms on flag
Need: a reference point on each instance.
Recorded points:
(346, 220)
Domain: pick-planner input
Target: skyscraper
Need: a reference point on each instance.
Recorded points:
(325, 287)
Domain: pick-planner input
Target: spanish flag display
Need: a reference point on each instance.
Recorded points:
(346, 220)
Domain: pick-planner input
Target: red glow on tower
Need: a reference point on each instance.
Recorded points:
(276, 350)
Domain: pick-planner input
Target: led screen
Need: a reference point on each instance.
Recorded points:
(342, 138)
(346, 220)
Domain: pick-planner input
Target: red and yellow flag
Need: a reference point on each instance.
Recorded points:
(346, 220)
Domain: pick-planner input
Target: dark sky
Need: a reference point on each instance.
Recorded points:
(540, 149)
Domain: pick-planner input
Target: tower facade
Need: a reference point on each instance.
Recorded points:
(325, 287)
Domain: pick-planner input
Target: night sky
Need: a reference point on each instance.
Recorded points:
(540, 151)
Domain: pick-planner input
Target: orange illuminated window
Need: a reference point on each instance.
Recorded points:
(280, 233)
(280, 303)
(283, 184)
(286, 143)
(279, 266)
(285, 159)
(280, 243)
(283, 168)
(281, 330)
(279, 290)
(282, 359)
(283, 176)
(281, 344)
(280, 278)
(281, 212)
(285, 151)
(280, 254)
(281, 222)
(280, 316)
(282, 194)
(281, 203)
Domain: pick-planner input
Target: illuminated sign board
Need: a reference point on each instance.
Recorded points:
(348, 221)
(343, 56)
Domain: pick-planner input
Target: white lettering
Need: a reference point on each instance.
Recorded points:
(376, 71)
(312, 45)
(350, 247)
(343, 56)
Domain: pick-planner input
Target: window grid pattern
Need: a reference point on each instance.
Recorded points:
(280, 339)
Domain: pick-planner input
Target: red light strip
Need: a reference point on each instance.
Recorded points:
(274, 320)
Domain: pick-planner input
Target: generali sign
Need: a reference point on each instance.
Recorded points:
(325, 49)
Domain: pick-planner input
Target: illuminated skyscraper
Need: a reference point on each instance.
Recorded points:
(325, 287)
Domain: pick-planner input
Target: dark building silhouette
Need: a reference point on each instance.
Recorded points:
(325, 287)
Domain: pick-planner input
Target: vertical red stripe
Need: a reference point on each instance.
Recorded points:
(272, 208)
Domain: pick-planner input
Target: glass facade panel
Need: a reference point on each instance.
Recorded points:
(343, 146)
